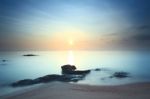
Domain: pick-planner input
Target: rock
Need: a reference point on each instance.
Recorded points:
(71, 69)
(23, 82)
(97, 69)
(49, 78)
(68, 68)
(69, 75)
(79, 72)
(4, 60)
(46, 79)
(29, 55)
(120, 75)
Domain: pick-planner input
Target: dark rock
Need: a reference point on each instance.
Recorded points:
(78, 72)
(120, 75)
(29, 55)
(71, 69)
(49, 78)
(68, 68)
(46, 79)
(97, 69)
(23, 82)
(4, 60)
(70, 76)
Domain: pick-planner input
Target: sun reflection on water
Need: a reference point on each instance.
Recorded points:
(70, 57)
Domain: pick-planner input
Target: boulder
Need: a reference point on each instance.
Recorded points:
(68, 68)
(71, 69)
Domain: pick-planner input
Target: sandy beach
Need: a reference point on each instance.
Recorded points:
(58, 90)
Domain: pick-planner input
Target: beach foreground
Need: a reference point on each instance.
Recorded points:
(58, 90)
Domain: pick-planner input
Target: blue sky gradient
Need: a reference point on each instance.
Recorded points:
(127, 20)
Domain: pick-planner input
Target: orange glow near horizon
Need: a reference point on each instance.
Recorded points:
(67, 42)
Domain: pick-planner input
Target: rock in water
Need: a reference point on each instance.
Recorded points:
(69, 75)
(4, 60)
(29, 55)
(46, 79)
(68, 68)
(97, 69)
(71, 69)
(120, 74)
(24, 82)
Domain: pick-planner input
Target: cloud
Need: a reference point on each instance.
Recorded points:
(141, 33)
(144, 27)
(137, 37)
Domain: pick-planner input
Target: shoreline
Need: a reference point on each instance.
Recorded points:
(60, 90)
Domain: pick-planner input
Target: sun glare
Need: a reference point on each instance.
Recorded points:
(71, 42)
(70, 58)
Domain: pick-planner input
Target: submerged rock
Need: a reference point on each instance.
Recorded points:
(23, 82)
(71, 69)
(97, 69)
(44, 79)
(4, 60)
(30, 55)
(120, 75)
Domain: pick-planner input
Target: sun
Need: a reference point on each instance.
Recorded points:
(71, 42)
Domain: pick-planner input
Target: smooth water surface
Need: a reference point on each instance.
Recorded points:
(18, 67)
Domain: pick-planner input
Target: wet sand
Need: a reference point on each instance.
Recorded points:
(58, 90)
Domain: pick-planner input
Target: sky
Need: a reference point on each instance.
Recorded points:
(88, 24)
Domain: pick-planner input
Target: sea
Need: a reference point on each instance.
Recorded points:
(14, 66)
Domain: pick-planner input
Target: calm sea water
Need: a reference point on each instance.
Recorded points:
(18, 67)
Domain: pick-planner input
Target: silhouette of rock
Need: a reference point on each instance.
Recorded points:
(71, 69)
(46, 79)
(30, 55)
(68, 68)
(49, 78)
(23, 82)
